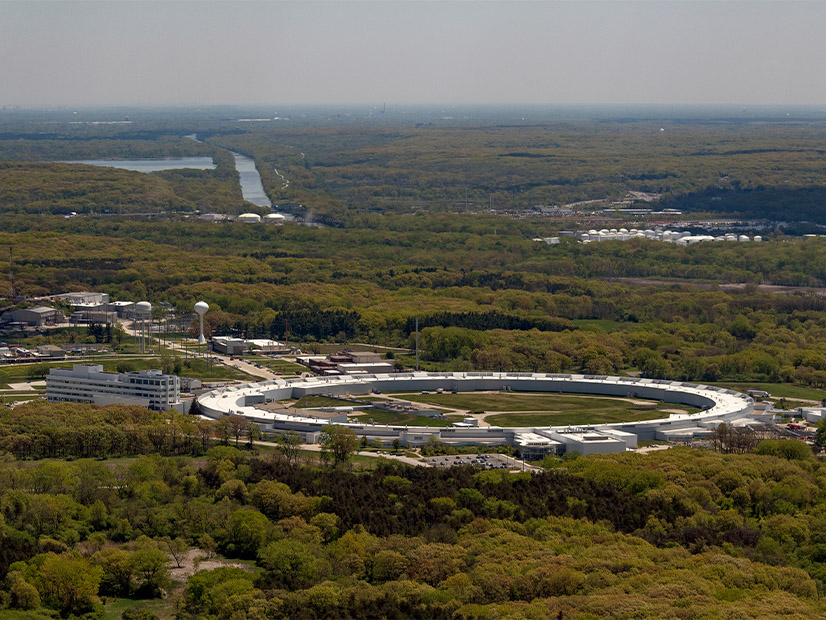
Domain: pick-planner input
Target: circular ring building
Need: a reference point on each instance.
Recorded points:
(258, 402)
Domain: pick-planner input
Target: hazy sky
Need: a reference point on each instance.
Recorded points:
(615, 51)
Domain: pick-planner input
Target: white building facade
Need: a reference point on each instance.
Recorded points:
(88, 383)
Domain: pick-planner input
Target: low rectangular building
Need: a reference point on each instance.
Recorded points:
(102, 317)
(589, 442)
(51, 350)
(88, 383)
(372, 368)
(229, 346)
(533, 446)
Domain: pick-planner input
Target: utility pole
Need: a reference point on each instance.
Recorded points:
(12, 292)
(417, 343)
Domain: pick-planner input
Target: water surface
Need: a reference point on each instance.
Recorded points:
(151, 165)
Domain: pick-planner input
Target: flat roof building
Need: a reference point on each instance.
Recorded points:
(88, 383)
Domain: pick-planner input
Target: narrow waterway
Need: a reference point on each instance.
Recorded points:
(252, 189)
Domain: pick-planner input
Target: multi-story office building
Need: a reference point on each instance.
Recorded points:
(88, 383)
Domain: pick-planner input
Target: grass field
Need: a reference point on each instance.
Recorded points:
(318, 401)
(544, 409)
(535, 401)
(114, 607)
(778, 390)
(564, 418)
(405, 419)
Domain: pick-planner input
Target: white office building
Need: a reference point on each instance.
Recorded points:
(88, 383)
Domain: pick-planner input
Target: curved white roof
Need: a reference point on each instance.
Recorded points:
(718, 404)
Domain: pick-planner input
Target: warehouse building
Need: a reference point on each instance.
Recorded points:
(34, 317)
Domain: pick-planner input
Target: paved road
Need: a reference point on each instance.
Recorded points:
(314, 447)
(261, 373)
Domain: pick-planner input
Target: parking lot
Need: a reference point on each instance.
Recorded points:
(486, 461)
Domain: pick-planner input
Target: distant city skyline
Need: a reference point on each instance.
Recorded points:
(74, 53)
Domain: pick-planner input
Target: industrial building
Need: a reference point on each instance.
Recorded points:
(34, 317)
(88, 383)
(347, 363)
(124, 309)
(93, 316)
(228, 345)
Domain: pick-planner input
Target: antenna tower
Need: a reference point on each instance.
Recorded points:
(12, 291)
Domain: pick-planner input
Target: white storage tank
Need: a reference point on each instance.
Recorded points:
(249, 218)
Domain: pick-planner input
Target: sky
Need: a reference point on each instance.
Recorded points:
(129, 52)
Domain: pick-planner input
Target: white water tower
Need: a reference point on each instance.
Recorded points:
(201, 308)
(143, 309)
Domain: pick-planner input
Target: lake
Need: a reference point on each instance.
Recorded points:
(152, 165)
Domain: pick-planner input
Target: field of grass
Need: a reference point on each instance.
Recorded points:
(405, 419)
(544, 409)
(114, 607)
(778, 390)
(563, 418)
(534, 402)
(318, 401)
(19, 614)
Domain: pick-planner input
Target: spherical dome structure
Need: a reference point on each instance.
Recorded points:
(143, 307)
(201, 307)
(249, 218)
(274, 217)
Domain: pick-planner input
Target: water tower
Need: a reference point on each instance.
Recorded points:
(143, 309)
(201, 308)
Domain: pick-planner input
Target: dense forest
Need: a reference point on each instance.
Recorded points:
(675, 534)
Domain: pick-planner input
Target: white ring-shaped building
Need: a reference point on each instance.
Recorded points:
(718, 405)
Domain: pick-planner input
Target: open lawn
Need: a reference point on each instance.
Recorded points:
(318, 401)
(536, 402)
(563, 418)
(404, 419)
(543, 409)
(114, 607)
(778, 390)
